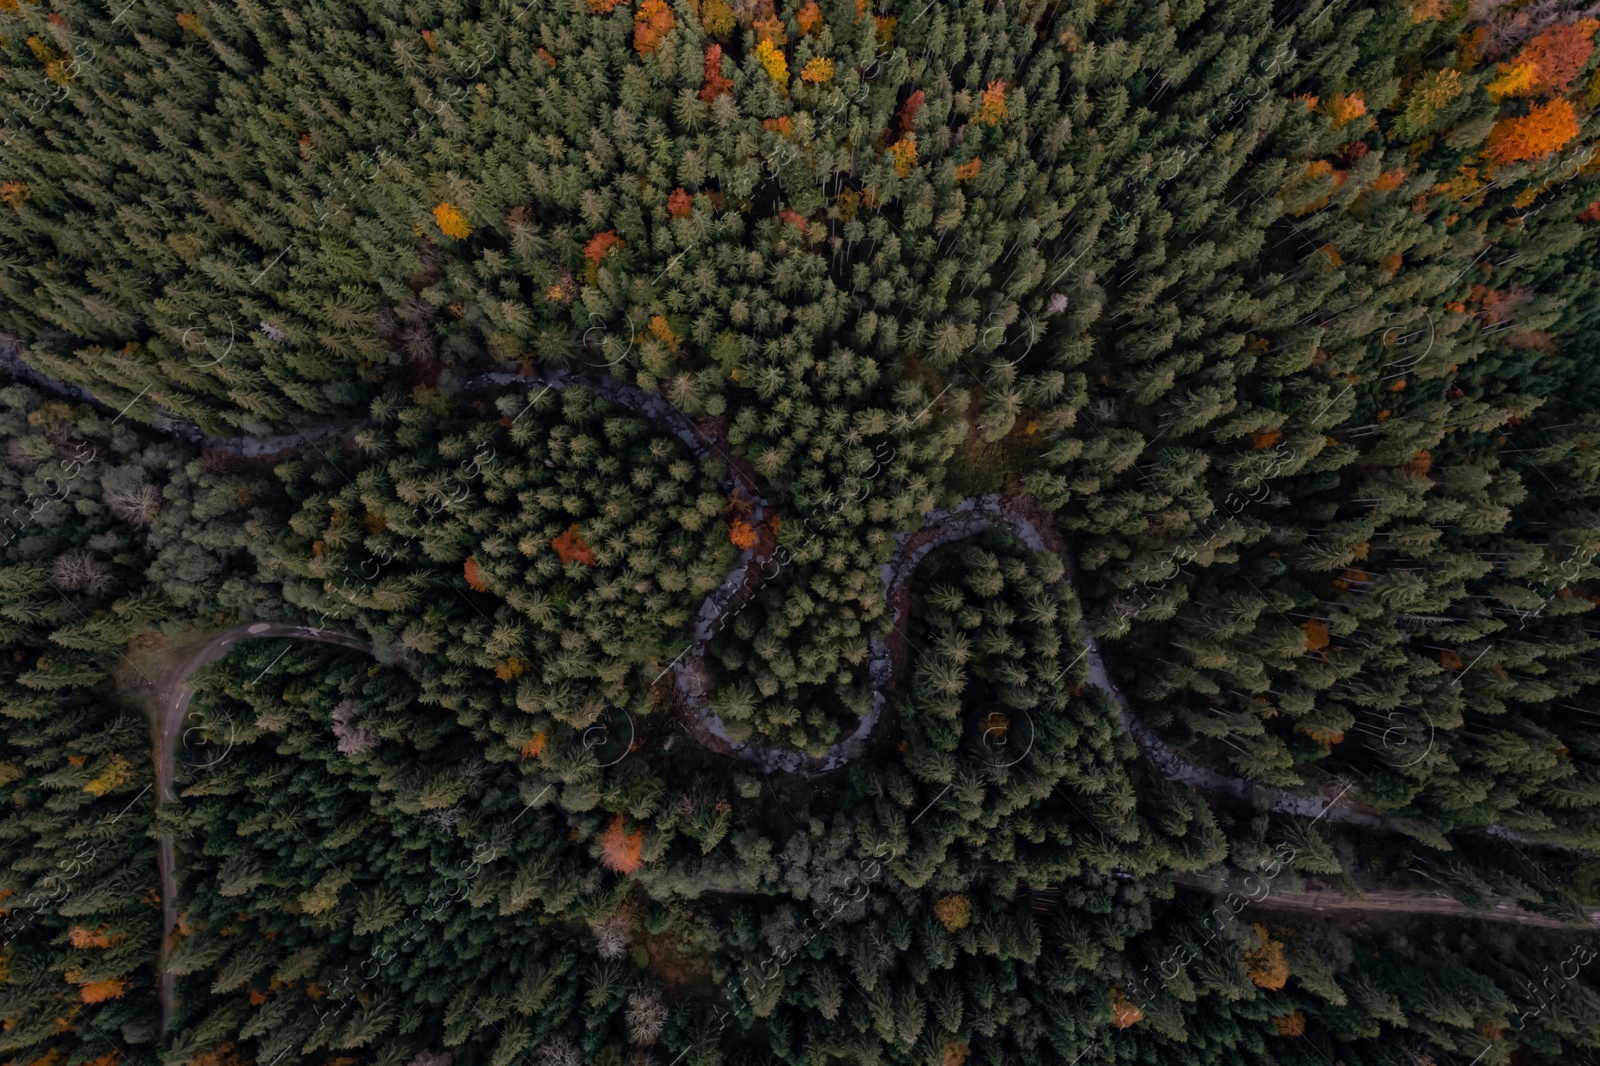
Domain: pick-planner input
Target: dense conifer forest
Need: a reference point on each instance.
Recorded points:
(700, 532)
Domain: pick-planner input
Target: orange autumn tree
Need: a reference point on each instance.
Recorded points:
(1124, 1012)
(571, 548)
(1291, 1024)
(226, 1055)
(1322, 168)
(661, 330)
(716, 85)
(956, 1053)
(652, 22)
(94, 938)
(100, 991)
(1545, 128)
(620, 850)
(793, 218)
(908, 110)
(992, 111)
(511, 669)
(1548, 63)
(770, 29)
(741, 531)
(474, 578)
(1389, 180)
(595, 251)
(809, 17)
(1346, 108)
(600, 244)
(742, 534)
(817, 71)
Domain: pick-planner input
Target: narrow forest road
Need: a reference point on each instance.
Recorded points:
(164, 690)
(169, 696)
(887, 661)
(1321, 900)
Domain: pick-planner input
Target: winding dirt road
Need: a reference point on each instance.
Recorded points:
(165, 689)
(888, 655)
(170, 696)
(1319, 900)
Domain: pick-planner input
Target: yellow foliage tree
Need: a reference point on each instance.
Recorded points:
(992, 110)
(773, 61)
(904, 153)
(1437, 89)
(1514, 80)
(716, 18)
(953, 912)
(452, 223)
(1346, 109)
(114, 774)
(1269, 966)
(323, 895)
(818, 70)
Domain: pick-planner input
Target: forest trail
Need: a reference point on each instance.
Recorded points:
(887, 660)
(162, 687)
(1392, 901)
(166, 687)
(888, 655)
